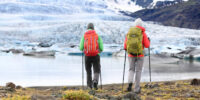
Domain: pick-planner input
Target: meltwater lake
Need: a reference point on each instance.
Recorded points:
(65, 69)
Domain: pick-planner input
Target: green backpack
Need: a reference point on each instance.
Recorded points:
(134, 41)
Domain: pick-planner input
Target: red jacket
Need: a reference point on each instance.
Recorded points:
(145, 42)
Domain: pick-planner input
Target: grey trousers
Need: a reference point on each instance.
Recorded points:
(135, 68)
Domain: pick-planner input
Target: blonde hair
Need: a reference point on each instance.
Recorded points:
(138, 22)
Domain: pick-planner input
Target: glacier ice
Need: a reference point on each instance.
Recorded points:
(163, 38)
(64, 22)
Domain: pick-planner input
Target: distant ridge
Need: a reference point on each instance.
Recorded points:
(184, 15)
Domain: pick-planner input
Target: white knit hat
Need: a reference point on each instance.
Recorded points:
(138, 22)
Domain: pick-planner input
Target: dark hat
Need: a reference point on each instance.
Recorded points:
(90, 26)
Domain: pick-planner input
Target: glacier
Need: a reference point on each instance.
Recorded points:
(26, 23)
(62, 33)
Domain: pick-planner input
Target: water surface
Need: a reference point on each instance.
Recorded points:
(67, 70)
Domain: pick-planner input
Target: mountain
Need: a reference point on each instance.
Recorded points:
(184, 15)
(77, 6)
(159, 4)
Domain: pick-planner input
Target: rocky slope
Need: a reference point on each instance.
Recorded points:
(184, 15)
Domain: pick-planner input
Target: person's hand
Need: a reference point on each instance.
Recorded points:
(125, 49)
(149, 39)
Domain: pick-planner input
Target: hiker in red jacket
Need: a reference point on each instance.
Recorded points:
(134, 44)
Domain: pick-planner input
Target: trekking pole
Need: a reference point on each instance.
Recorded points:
(82, 73)
(149, 64)
(100, 79)
(124, 73)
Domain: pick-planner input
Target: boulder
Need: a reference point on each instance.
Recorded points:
(11, 85)
(195, 82)
(19, 87)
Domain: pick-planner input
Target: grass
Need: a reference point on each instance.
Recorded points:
(176, 90)
(77, 95)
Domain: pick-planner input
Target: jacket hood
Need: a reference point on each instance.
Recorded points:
(143, 29)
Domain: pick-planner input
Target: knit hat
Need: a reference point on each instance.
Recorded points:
(138, 22)
(90, 26)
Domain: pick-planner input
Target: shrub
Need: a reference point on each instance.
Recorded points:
(77, 95)
(17, 98)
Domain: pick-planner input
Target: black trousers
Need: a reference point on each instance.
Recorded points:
(95, 62)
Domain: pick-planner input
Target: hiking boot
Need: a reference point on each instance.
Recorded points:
(95, 85)
(138, 92)
(129, 89)
(89, 87)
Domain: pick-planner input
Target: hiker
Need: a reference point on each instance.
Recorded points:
(91, 44)
(136, 40)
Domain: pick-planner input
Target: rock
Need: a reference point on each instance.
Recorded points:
(24, 89)
(6, 51)
(11, 85)
(103, 96)
(169, 48)
(45, 45)
(57, 95)
(40, 53)
(193, 91)
(42, 97)
(16, 51)
(149, 93)
(18, 87)
(195, 82)
(7, 89)
(3, 91)
(131, 96)
(155, 86)
(72, 46)
(3, 95)
(48, 90)
(115, 98)
(177, 85)
(151, 85)
(188, 95)
(169, 83)
(149, 98)
(91, 92)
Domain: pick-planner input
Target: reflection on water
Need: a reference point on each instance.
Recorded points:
(66, 70)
